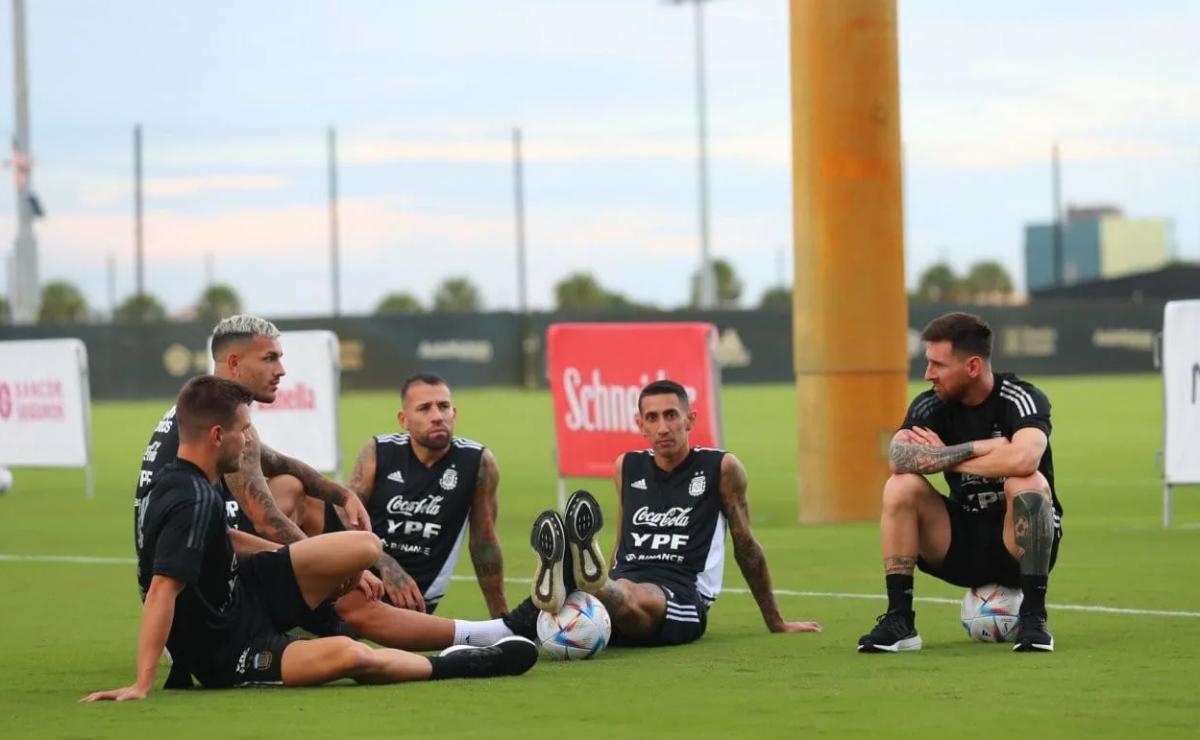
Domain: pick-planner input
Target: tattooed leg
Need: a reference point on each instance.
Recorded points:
(899, 565)
(914, 522)
(1029, 537)
(637, 609)
(1033, 531)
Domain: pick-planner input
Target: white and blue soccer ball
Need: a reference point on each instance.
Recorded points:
(990, 613)
(5, 479)
(580, 630)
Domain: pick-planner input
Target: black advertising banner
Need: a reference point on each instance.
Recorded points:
(378, 352)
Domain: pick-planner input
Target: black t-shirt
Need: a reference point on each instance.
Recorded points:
(1013, 404)
(673, 527)
(181, 532)
(161, 450)
(421, 512)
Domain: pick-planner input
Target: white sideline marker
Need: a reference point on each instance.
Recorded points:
(93, 560)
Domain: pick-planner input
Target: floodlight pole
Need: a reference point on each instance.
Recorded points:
(528, 340)
(334, 241)
(1056, 188)
(23, 279)
(707, 288)
(139, 254)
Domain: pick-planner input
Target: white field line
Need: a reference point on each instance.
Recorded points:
(90, 560)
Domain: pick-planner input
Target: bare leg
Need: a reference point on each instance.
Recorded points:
(1029, 537)
(288, 492)
(914, 522)
(314, 662)
(313, 521)
(394, 627)
(1029, 488)
(637, 609)
(323, 564)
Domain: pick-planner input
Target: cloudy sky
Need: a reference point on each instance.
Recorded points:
(235, 98)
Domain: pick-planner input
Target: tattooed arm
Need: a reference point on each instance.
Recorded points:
(1019, 458)
(485, 546)
(619, 466)
(249, 487)
(750, 557)
(316, 485)
(910, 453)
(399, 586)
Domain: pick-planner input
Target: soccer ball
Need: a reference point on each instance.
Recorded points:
(579, 630)
(989, 613)
(5, 479)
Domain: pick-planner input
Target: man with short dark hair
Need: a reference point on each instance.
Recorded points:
(673, 502)
(424, 489)
(247, 351)
(988, 433)
(220, 600)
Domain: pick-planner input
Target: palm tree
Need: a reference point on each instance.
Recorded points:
(216, 302)
(140, 309)
(988, 281)
(939, 284)
(729, 285)
(61, 303)
(579, 291)
(398, 303)
(778, 298)
(457, 295)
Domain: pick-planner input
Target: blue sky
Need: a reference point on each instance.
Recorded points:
(234, 99)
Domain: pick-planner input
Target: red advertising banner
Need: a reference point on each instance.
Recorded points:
(596, 372)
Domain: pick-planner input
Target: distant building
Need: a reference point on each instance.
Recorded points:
(1175, 282)
(1098, 243)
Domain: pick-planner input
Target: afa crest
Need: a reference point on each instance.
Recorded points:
(449, 479)
(697, 486)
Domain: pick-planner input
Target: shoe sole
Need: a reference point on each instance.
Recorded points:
(582, 521)
(511, 662)
(548, 541)
(1034, 647)
(908, 644)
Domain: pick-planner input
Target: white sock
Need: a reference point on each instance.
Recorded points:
(480, 634)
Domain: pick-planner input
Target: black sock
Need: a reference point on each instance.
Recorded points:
(569, 572)
(899, 591)
(1034, 599)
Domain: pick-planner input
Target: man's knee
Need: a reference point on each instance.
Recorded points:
(350, 656)
(366, 548)
(1023, 483)
(288, 492)
(902, 490)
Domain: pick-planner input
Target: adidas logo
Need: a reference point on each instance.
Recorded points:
(639, 484)
(396, 476)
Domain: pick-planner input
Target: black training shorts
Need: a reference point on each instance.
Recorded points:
(977, 555)
(685, 621)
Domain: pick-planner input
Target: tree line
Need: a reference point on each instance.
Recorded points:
(984, 282)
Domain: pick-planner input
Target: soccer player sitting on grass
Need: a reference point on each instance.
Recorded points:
(246, 350)
(988, 433)
(220, 600)
(673, 503)
(424, 489)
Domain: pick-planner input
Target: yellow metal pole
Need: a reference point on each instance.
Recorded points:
(850, 318)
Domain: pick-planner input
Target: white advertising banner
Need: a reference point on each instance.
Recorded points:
(1181, 391)
(303, 420)
(44, 403)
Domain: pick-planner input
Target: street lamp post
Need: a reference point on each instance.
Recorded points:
(23, 276)
(707, 288)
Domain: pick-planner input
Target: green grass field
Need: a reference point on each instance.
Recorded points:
(69, 628)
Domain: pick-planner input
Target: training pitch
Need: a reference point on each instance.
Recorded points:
(1127, 624)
